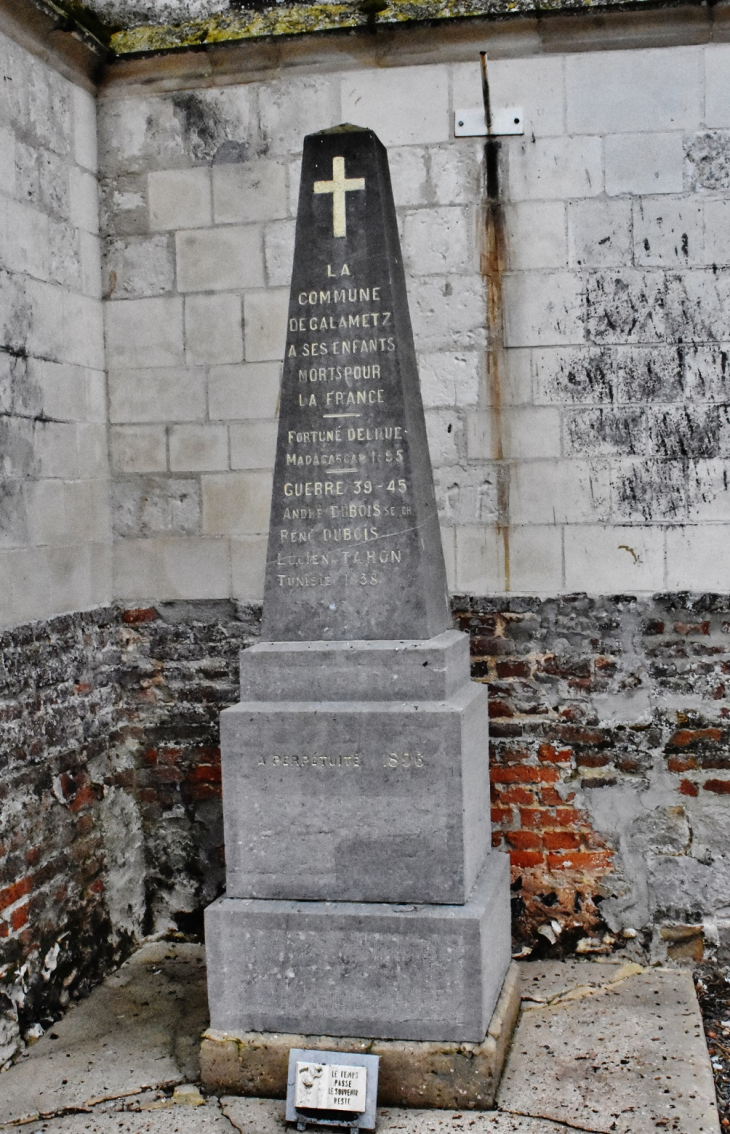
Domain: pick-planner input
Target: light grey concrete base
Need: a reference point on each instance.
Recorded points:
(266, 1116)
(138, 1031)
(604, 1046)
(412, 1074)
(343, 968)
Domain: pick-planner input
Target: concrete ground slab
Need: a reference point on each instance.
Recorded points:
(611, 1049)
(266, 1116)
(208, 1119)
(543, 982)
(139, 1029)
(601, 1047)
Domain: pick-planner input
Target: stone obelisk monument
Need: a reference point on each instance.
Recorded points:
(363, 898)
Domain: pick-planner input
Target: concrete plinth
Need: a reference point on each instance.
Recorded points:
(412, 1074)
(411, 972)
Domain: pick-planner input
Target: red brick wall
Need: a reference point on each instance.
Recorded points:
(180, 670)
(610, 755)
(107, 711)
(610, 758)
(58, 705)
(539, 741)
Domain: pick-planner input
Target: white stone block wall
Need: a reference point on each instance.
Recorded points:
(594, 457)
(55, 536)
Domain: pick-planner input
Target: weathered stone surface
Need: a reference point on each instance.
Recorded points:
(151, 505)
(386, 971)
(136, 266)
(354, 545)
(390, 799)
(51, 346)
(166, 1118)
(255, 1116)
(398, 739)
(440, 1075)
(612, 1049)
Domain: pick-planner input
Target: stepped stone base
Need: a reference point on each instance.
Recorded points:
(461, 1076)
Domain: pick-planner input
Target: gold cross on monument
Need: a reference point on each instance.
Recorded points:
(338, 186)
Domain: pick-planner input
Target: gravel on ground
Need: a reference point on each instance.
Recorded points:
(713, 992)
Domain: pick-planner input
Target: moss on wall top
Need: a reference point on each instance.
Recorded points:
(140, 26)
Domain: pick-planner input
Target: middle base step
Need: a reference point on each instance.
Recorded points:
(357, 801)
(418, 972)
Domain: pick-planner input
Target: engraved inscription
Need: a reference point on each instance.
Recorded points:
(391, 760)
(330, 1086)
(303, 760)
(337, 395)
(332, 396)
(403, 760)
(337, 392)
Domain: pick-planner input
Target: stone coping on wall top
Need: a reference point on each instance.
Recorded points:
(126, 36)
(248, 45)
(301, 17)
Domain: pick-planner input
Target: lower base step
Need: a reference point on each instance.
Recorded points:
(429, 1074)
(410, 972)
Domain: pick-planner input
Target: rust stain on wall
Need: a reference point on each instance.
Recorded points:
(493, 262)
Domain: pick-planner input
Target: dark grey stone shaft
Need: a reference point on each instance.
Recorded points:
(354, 543)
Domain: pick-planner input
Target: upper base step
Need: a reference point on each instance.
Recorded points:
(419, 669)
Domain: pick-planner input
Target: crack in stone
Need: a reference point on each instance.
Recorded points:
(41, 417)
(555, 1122)
(98, 1099)
(89, 1106)
(581, 991)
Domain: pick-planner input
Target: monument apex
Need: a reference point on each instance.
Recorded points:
(354, 543)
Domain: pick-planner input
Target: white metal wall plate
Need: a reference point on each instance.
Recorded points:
(472, 123)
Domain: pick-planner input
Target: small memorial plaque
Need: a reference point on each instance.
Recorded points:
(332, 1086)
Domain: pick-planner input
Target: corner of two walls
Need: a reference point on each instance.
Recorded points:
(110, 792)
(595, 463)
